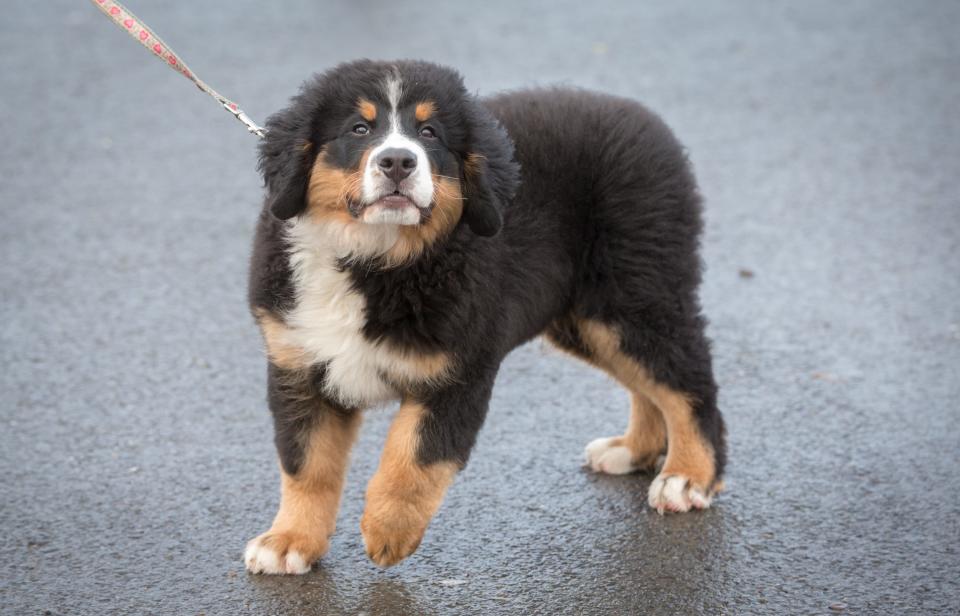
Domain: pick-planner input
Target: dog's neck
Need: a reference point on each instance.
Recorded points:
(341, 242)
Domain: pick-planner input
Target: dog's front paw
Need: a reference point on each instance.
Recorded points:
(283, 552)
(677, 494)
(393, 533)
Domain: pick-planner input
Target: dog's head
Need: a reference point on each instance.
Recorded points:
(397, 150)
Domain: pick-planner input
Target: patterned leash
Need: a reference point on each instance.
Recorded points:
(138, 30)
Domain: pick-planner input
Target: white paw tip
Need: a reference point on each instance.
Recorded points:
(604, 457)
(675, 494)
(594, 448)
(261, 559)
(296, 564)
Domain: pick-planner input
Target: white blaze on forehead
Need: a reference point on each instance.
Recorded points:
(418, 187)
(394, 89)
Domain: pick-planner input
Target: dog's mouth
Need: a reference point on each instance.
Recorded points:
(396, 200)
(394, 208)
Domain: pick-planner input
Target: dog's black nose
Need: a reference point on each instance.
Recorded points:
(397, 163)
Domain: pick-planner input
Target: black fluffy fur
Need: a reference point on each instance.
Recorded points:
(604, 225)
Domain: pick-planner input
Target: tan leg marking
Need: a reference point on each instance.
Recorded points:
(414, 368)
(646, 435)
(645, 440)
(282, 353)
(687, 453)
(403, 495)
(687, 479)
(309, 501)
(640, 448)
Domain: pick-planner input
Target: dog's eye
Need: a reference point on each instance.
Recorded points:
(427, 132)
(360, 129)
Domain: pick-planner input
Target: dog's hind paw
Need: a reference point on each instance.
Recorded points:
(607, 455)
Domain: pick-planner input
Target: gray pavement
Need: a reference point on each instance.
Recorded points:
(135, 447)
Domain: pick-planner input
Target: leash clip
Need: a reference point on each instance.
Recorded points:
(241, 115)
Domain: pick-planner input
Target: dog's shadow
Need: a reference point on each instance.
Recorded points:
(322, 591)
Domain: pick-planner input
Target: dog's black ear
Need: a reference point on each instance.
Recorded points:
(490, 175)
(287, 189)
(287, 154)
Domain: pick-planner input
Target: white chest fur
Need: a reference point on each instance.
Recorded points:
(327, 320)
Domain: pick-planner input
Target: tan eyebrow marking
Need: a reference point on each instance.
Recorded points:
(425, 110)
(367, 109)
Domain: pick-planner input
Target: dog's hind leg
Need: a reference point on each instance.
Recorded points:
(640, 447)
(674, 403)
(645, 441)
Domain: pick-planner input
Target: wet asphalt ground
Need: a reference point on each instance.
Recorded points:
(135, 446)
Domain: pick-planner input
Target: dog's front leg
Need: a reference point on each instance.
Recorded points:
(313, 438)
(428, 442)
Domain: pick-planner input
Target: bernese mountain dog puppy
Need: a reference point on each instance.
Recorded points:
(414, 234)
